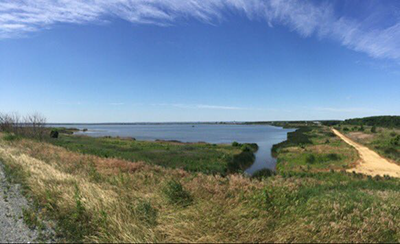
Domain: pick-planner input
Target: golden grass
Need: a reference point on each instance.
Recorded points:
(224, 209)
(122, 185)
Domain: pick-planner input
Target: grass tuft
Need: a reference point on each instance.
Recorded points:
(176, 194)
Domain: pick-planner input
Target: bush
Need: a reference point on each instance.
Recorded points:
(146, 213)
(54, 133)
(345, 129)
(395, 141)
(235, 144)
(373, 129)
(240, 162)
(330, 134)
(333, 157)
(310, 159)
(392, 153)
(11, 137)
(176, 194)
(263, 173)
(246, 148)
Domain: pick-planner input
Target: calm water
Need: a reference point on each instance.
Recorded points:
(265, 136)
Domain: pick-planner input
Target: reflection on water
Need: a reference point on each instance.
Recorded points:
(265, 136)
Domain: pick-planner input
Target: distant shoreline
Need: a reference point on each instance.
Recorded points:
(199, 123)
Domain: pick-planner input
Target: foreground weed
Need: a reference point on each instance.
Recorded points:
(31, 219)
(176, 194)
(146, 213)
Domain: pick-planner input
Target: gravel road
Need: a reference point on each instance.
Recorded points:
(12, 203)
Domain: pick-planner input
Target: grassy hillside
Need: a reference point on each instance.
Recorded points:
(106, 199)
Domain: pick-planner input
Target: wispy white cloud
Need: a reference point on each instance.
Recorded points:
(116, 104)
(19, 17)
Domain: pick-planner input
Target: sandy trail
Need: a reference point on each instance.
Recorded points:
(372, 163)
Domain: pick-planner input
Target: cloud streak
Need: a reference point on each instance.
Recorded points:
(21, 17)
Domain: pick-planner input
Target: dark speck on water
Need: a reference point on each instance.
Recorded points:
(264, 135)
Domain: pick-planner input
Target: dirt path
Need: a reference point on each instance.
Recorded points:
(372, 163)
(12, 226)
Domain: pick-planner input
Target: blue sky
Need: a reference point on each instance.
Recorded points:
(199, 60)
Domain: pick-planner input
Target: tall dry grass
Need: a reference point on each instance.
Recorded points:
(111, 200)
(110, 191)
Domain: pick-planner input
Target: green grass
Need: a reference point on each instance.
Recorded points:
(153, 204)
(146, 213)
(313, 148)
(299, 137)
(176, 194)
(263, 174)
(317, 202)
(193, 157)
(11, 137)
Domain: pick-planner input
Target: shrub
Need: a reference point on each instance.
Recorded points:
(54, 133)
(11, 137)
(330, 134)
(246, 148)
(392, 153)
(333, 156)
(235, 144)
(263, 173)
(345, 129)
(146, 213)
(310, 159)
(373, 129)
(240, 161)
(395, 141)
(253, 146)
(176, 194)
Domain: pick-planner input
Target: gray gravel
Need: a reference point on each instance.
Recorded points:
(12, 203)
